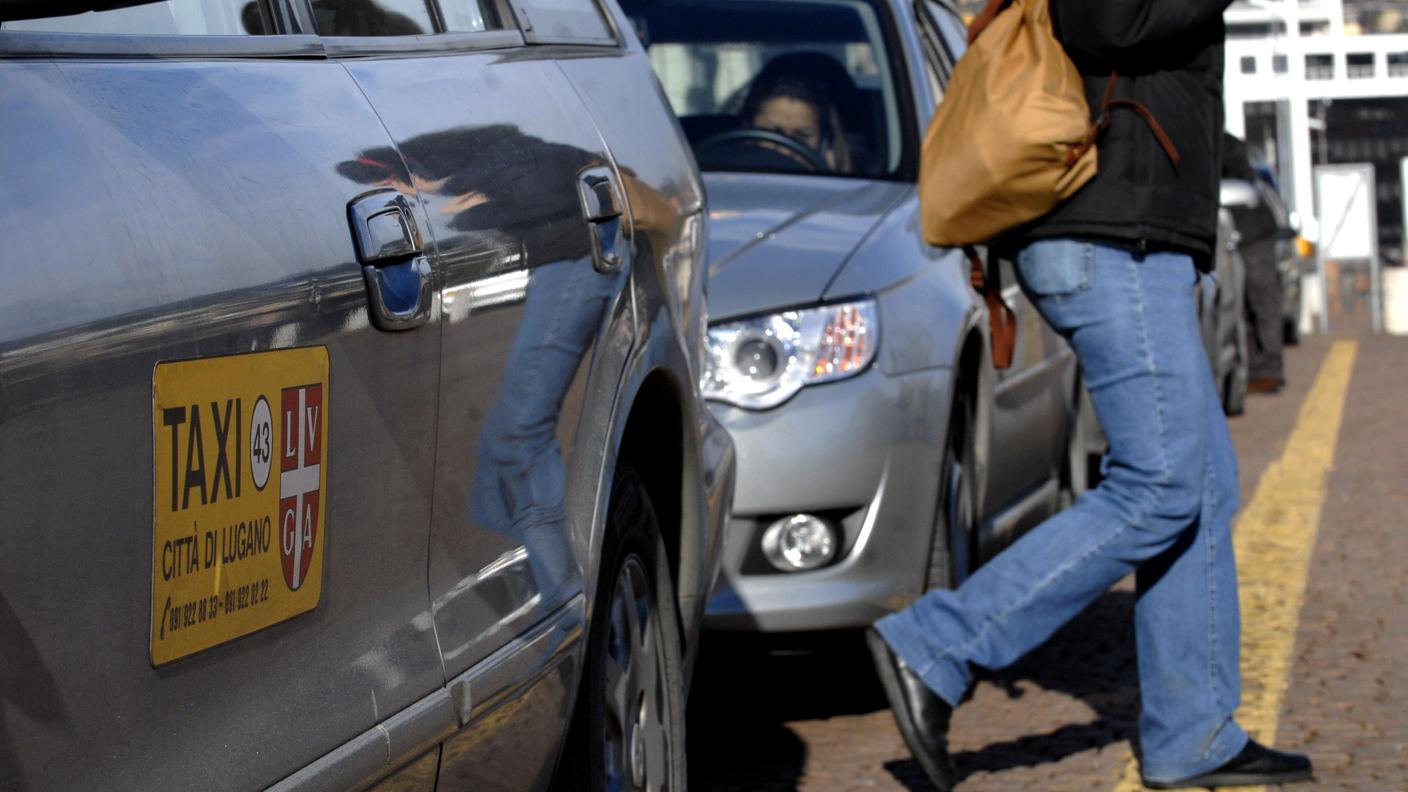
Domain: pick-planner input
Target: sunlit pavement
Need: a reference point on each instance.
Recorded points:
(1323, 546)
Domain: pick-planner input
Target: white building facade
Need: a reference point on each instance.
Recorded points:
(1292, 58)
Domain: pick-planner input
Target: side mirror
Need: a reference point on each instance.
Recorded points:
(1239, 194)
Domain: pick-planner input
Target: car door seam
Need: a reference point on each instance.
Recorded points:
(435, 321)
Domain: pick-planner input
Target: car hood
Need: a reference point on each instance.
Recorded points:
(778, 240)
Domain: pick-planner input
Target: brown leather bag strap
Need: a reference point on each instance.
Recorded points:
(1148, 116)
(985, 18)
(1002, 322)
(1109, 90)
(1074, 153)
(1102, 122)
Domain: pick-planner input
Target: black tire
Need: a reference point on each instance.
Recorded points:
(952, 555)
(628, 728)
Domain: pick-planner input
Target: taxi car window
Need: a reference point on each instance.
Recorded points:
(401, 17)
(795, 86)
(372, 17)
(467, 16)
(171, 17)
(564, 21)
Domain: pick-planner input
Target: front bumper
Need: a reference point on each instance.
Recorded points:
(864, 452)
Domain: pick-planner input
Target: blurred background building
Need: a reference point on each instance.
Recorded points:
(1314, 82)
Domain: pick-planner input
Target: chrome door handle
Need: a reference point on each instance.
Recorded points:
(394, 264)
(600, 194)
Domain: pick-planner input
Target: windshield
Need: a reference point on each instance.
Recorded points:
(788, 86)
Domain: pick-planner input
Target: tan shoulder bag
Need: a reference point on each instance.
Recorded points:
(1013, 136)
(1012, 139)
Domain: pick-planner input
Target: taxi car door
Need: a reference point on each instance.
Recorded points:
(218, 383)
(528, 221)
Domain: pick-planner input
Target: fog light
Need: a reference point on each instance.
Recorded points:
(799, 542)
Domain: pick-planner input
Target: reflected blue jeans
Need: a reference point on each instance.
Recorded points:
(1163, 511)
(520, 480)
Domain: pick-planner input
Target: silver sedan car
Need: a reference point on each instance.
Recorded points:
(880, 453)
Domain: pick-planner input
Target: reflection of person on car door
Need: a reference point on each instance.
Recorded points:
(519, 486)
(518, 490)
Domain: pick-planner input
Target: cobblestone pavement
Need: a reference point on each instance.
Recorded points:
(807, 714)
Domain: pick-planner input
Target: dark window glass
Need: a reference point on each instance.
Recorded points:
(401, 17)
(372, 17)
(565, 20)
(172, 17)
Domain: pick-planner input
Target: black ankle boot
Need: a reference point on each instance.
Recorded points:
(922, 716)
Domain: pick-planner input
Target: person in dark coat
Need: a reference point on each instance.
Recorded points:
(1260, 233)
(1113, 270)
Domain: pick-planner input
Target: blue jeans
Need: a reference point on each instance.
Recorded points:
(1163, 511)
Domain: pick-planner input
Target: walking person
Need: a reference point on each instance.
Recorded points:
(1113, 269)
(1260, 235)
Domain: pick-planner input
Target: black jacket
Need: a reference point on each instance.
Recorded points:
(1168, 55)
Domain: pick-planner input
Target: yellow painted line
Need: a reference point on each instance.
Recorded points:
(1274, 539)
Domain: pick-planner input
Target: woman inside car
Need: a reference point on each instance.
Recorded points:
(789, 100)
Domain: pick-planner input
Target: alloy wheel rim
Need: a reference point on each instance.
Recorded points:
(637, 740)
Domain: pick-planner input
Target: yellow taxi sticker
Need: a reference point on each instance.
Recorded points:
(241, 495)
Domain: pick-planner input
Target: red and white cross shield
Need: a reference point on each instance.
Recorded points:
(301, 467)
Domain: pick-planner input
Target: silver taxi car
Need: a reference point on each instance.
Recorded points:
(349, 407)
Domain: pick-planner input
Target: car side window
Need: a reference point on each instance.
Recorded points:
(468, 16)
(400, 17)
(171, 17)
(372, 17)
(564, 21)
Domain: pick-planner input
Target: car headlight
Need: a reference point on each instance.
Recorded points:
(762, 362)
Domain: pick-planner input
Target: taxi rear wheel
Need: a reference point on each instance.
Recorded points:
(628, 733)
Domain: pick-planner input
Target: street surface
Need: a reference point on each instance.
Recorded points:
(1321, 544)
